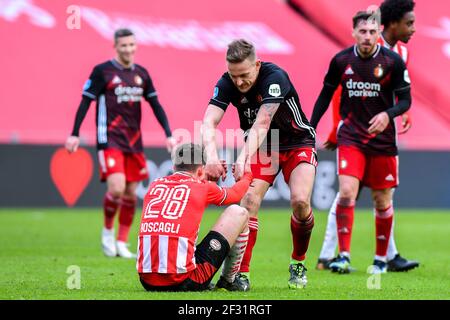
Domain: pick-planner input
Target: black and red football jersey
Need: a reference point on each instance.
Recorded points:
(118, 92)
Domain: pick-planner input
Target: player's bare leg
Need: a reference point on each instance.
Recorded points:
(384, 213)
(116, 184)
(251, 201)
(233, 225)
(345, 210)
(301, 184)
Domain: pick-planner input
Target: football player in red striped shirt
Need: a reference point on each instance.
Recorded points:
(397, 17)
(168, 257)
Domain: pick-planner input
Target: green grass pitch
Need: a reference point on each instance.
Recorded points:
(37, 246)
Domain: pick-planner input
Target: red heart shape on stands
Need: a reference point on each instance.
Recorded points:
(71, 173)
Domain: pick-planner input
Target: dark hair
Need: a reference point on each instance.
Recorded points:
(365, 16)
(188, 157)
(394, 10)
(239, 50)
(124, 32)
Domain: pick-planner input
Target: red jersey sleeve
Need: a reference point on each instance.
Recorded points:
(224, 196)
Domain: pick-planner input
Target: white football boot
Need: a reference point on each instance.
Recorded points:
(108, 243)
(122, 250)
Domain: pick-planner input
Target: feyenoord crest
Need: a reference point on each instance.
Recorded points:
(378, 71)
(138, 80)
(111, 162)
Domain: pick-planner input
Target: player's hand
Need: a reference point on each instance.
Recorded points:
(247, 166)
(72, 143)
(406, 123)
(238, 170)
(225, 169)
(171, 143)
(329, 145)
(214, 171)
(378, 123)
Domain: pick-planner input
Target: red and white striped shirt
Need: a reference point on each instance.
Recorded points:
(172, 212)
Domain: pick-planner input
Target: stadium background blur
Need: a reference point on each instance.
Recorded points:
(50, 48)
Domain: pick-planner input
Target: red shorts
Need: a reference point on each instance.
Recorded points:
(266, 166)
(133, 165)
(375, 172)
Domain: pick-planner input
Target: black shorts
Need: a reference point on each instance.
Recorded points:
(209, 256)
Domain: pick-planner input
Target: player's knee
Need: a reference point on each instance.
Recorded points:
(381, 200)
(300, 203)
(116, 190)
(251, 202)
(239, 212)
(347, 192)
(346, 201)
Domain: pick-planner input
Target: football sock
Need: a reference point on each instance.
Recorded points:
(383, 226)
(392, 248)
(110, 205)
(345, 211)
(253, 226)
(233, 261)
(126, 215)
(330, 240)
(301, 234)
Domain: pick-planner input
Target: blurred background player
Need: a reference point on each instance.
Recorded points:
(269, 109)
(397, 17)
(375, 89)
(168, 259)
(118, 86)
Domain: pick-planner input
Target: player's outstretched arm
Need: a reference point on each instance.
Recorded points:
(73, 141)
(214, 168)
(226, 196)
(256, 136)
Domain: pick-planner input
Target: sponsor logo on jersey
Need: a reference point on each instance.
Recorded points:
(362, 89)
(125, 94)
(138, 80)
(303, 154)
(251, 114)
(406, 76)
(390, 177)
(275, 90)
(87, 84)
(215, 244)
(378, 72)
(349, 70)
(381, 237)
(244, 100)
(344, 164)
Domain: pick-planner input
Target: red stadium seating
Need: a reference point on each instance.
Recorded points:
(182, 44)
